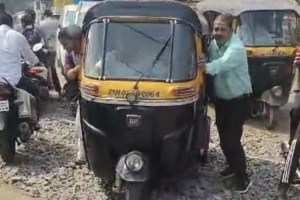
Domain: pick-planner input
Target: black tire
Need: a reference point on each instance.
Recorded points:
(273, 117)
(7, 147)
(136, 191)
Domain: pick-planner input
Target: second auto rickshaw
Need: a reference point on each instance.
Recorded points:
(143, 106)
(269, 32)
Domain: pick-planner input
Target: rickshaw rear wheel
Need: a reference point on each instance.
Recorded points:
(136, 191)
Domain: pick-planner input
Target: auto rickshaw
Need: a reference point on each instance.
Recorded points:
(269, 32)
(143, 106)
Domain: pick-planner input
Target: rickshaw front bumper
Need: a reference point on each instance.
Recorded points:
(111, 135)
(271, 74)
(276, 96)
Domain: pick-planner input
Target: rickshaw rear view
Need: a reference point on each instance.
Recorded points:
(143, 107)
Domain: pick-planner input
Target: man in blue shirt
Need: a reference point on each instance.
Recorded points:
(228, 64)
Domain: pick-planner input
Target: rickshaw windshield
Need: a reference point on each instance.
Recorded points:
(267, 28)
(131, 49)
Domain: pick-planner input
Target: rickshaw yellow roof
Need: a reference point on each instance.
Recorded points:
(236, 7)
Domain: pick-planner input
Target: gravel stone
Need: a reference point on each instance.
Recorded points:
(45, 166)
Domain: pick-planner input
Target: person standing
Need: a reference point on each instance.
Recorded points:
(13, 45)
(296, 64)
(71, 39)
(49, 26)
(228, 64)
(291, 149)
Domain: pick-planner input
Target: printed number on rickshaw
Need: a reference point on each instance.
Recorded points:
(148, 94)
(141, 94)
(4, 106)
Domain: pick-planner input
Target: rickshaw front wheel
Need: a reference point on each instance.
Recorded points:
(273, 114)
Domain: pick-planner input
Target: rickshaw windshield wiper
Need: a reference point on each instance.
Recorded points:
(142, 33)
(157, 57)
(129, 66)
(275, 48)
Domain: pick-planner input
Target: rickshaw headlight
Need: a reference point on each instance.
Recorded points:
(277, 91)
(134, 161)
(131, 97)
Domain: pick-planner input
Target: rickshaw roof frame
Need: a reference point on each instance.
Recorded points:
(134, 19)
(236, 7)
(157, 8)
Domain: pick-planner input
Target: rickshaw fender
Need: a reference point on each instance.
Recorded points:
(131, 176)
(3, 117)
(92, 128)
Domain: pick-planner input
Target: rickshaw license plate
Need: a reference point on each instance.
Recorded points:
(4, 106)
(133, 120)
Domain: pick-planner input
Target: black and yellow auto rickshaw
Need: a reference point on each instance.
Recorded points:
(269, 32)
(143, 110)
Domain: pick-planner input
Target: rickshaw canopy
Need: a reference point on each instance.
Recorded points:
(236, 7)
(164, 9)
(204, 24)
(203, 20)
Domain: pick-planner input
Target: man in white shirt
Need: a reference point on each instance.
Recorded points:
(71, 39)
(48, 27)
(13, 45)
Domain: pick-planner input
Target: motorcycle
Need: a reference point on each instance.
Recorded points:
(18, 119)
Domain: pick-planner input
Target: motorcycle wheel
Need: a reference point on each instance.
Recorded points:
(136, 191)
(7, 147)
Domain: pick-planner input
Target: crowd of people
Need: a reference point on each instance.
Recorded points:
(227, 64)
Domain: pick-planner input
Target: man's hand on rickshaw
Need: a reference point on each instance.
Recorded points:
(201, 62)
(73, 73)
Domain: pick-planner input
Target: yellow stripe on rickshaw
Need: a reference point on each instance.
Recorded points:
(270, 51)
(148, 90)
